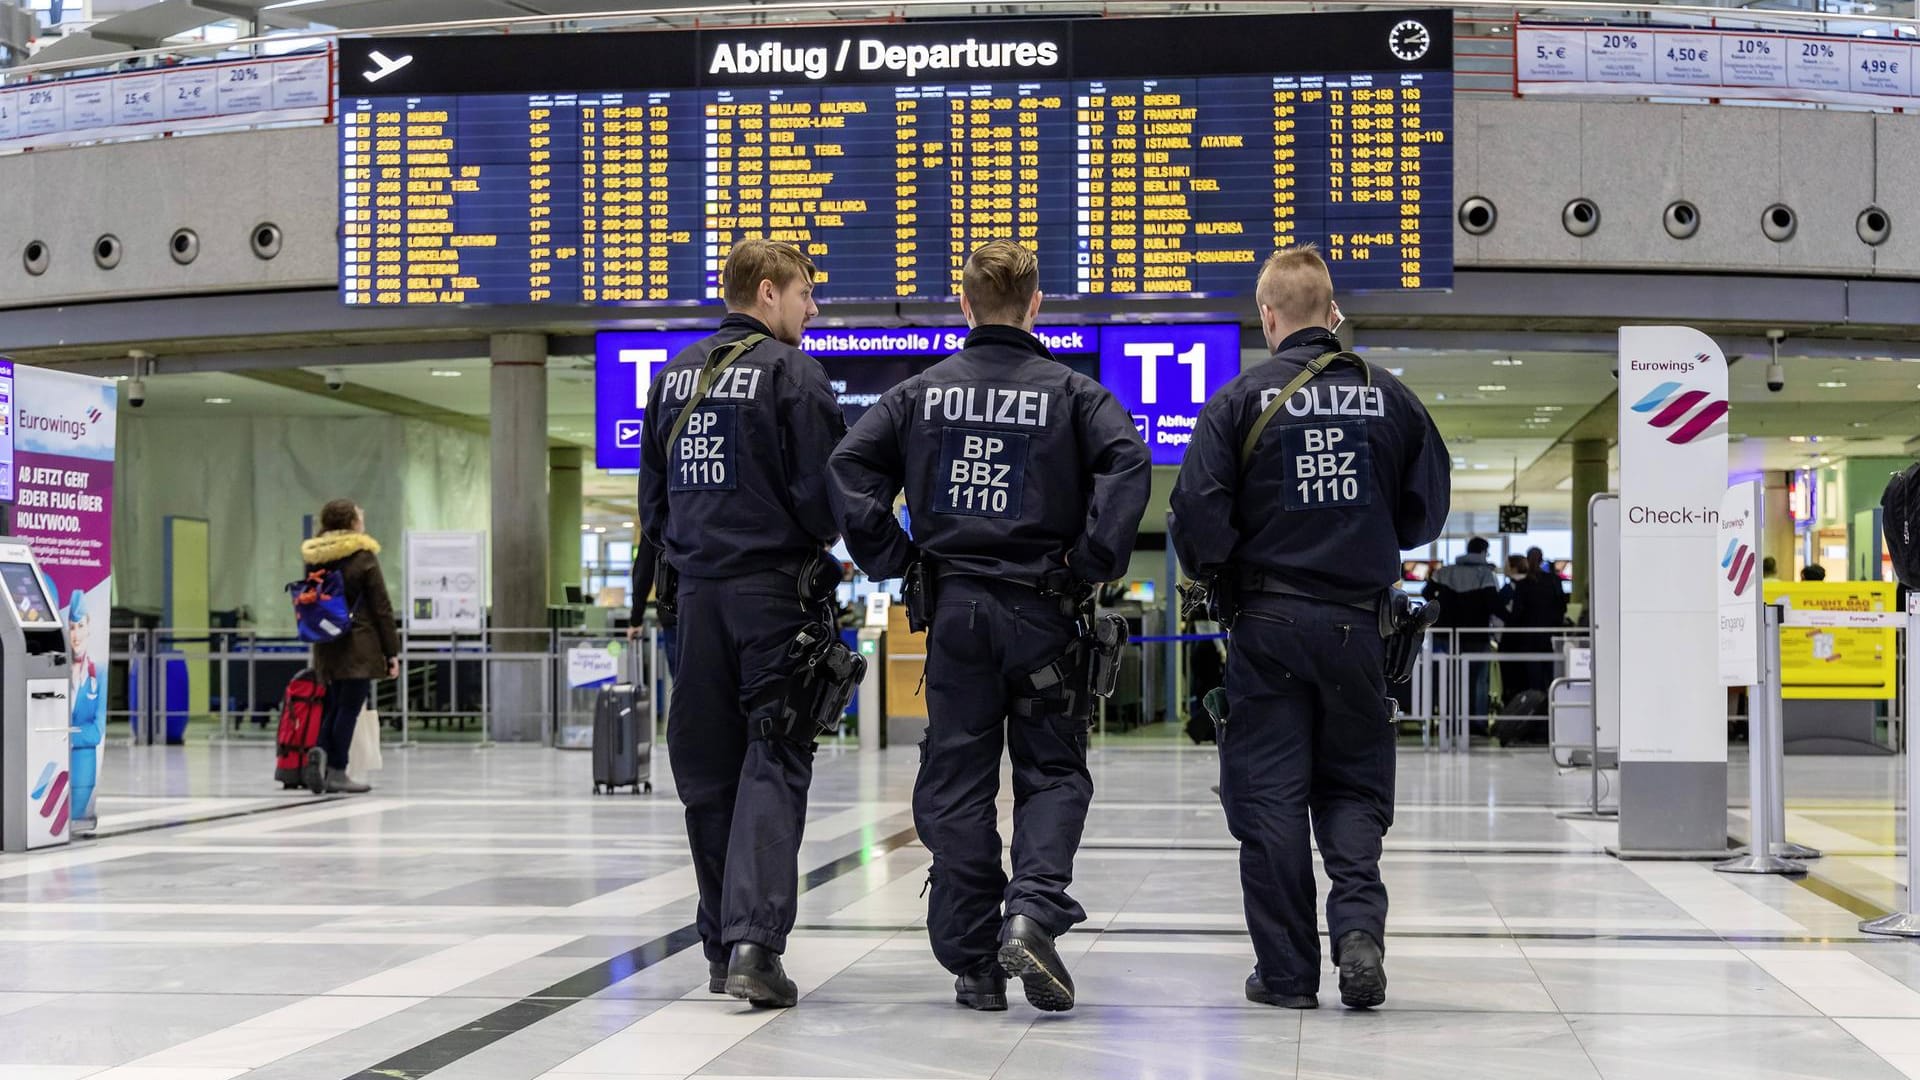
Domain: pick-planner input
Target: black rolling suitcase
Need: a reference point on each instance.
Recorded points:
(622, 741)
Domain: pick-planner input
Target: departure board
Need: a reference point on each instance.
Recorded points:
(1138, 157)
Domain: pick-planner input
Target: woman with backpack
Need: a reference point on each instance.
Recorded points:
(368, 649)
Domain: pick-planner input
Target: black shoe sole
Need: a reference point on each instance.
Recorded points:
(760, 993)
(313, 771)
(982, 1002)
(717, 986)
(1362, 987)
(1046, 991)
(1283, 1001)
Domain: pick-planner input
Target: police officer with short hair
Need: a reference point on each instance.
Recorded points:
(733, 488)
(1306, 477)
(1025, 483)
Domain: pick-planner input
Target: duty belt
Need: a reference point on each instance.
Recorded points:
(1258, 583)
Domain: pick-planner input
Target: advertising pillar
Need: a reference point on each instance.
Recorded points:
(62, 441)
(1673, 477)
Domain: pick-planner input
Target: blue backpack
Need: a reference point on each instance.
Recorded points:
(320, 609)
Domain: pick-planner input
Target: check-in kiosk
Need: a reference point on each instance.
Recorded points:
(36, 709)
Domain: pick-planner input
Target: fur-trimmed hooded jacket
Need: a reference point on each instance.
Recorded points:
(363, 652)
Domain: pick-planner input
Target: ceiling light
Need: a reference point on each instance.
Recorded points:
(446, 373)
(1860, 423)
(586, 528)
(219, 401)
(1492, 388)
(1396, 372)
(1481, 465)
(1832, 385)
(626, 524)
(599, 528)
(1439, 397)
(1824, 460)
(1549, 408)
(1799, 438)
(1508, 361)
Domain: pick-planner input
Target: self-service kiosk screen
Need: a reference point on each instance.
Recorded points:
(29, 600)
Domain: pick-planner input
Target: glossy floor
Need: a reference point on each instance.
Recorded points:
(481, 917)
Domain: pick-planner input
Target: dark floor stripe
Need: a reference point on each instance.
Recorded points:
(443, 1050)
(209, 819)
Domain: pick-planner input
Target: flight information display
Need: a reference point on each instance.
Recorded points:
(620, 168)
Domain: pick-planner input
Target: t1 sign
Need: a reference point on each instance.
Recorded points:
(1163, 374)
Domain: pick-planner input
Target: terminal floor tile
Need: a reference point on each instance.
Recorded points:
(481, 916)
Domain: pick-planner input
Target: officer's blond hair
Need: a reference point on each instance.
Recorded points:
(1296, 285)
(756, 260)
(999, 282)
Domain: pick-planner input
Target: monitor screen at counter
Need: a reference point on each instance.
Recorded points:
(1161, 375)
(29, 599)
(620, 168)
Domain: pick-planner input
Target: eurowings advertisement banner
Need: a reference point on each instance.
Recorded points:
(63, 437)
(1737, 572)
(1673, 478)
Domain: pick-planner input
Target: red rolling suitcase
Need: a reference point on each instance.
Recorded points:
(299, 726)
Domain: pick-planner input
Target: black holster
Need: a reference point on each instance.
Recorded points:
(1060, 688)
(666, 590)
(821, 679)
(1109, 637)
(1403, 623)
(1216, 597)
(917, 591)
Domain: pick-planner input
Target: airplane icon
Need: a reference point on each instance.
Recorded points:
(386, 67)
(626, 434)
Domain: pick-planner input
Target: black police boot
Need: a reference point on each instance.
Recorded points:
(1258, 993)
(1363, 975)
(983, 989)
(754, 974)
(716, 976)
(1026, 951)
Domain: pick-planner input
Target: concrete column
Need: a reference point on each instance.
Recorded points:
(519, 697)
(1776, 537)
(563, 521)
(1589, 479)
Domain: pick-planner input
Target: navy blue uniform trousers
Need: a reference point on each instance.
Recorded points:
(746, 796)
(986, 638)
(1308, 735)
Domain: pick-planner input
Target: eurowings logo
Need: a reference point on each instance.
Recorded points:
(1738, 563)
(50, 791)
(1691, 414)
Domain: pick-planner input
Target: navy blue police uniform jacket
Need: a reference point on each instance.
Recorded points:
(744, 487)
(1015, 466)
(1348, 474)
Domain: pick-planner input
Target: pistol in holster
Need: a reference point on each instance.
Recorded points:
(666, 590)
(1217, 597)
(822, 676)
(1403, 623)
(917, 590)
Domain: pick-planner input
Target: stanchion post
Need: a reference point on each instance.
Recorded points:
(1907, 923)
(1763, 715)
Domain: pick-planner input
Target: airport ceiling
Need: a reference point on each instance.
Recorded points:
(1502, 413)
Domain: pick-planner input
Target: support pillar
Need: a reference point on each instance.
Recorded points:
(1589, 479)
(1776, 537)
(564, 515)
(518, 702)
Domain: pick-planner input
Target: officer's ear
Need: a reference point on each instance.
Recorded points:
(1033, 308)
(966, 310)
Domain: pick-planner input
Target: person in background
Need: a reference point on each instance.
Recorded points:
(1813, 572)
(1537, 561)
(349, 664)
(1531, 600)
(1469, 595)
(1769, 569)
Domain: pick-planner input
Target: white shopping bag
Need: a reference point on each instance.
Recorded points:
(363, 755)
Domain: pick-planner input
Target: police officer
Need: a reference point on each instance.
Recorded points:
(1025, 481)
(733, 488)
(1304, 520)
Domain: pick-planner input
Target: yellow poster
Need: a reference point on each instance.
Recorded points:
(1835, 662)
